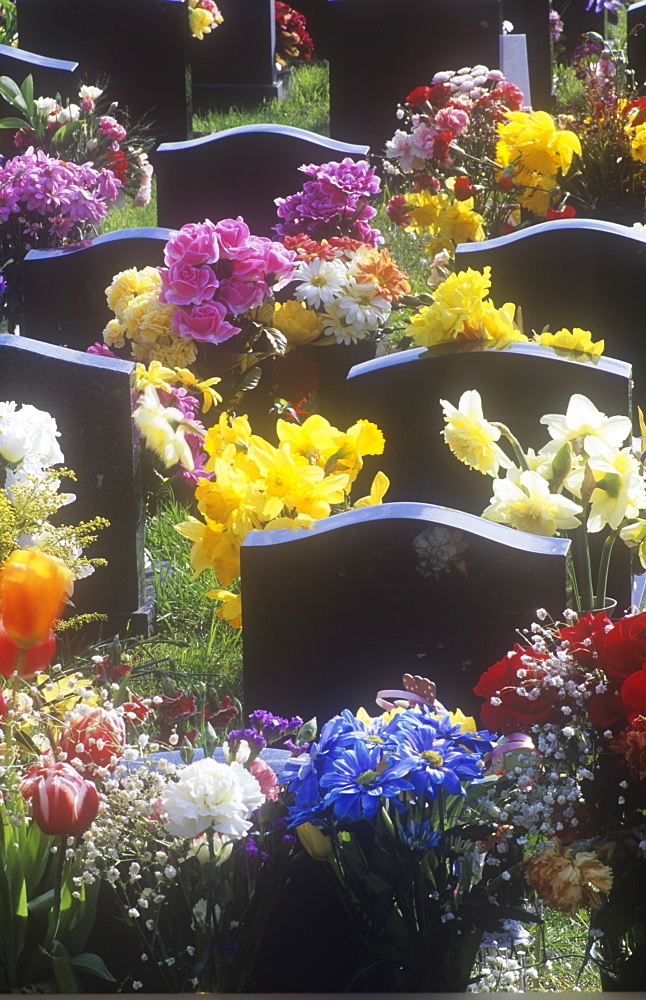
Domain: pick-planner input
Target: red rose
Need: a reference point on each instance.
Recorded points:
(509, 687)
(633, 692)
(587, 638)
(624, 649)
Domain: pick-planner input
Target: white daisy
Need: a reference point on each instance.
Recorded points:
(319, 281)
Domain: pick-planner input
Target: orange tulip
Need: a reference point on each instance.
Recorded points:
(34, 589)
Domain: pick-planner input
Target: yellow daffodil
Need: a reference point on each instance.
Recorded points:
(230, 499)
(231, 610)
(582, 419)
(535, 137)
(571, 340)
(634, 535)
(163, 428)
(637, 138)
(213, 547)
(380, 485)
(471, 438)
(210, 396)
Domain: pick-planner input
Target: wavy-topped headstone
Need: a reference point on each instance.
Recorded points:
(636, 40)
(518, 384)
(139, 46)
(64, 288)
(240, 171)
(235, 64)
(383, 49)
(335, 614)
(533, 21)
(90, 399)
(572, 273)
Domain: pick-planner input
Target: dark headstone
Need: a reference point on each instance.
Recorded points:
(375, 609)
(572, 272)
(138, 46)
(238, 172)
(533, 20)
(64, 289)
(235, 64)
(518, 383)
(636, 42)
(577, 21)
(316, 14)
(383, 49)
(90, 399)
(50, 76)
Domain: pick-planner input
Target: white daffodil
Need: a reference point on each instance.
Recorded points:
(619, 490)
(582, 420)
(319, 281)
(471, 438)
(528, 505)
(163, 428)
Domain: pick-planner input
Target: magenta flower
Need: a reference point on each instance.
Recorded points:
(240, 296)
(184, 284)
(195, 243)
(233, 238)
(206, 322)
(110, 127)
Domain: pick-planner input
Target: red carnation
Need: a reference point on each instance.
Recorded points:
(587, 638)
(463, 189)
(567, 212)
(397, 210)
(418, 97)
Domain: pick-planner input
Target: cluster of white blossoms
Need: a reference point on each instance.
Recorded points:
(352, 309)
(28, 442)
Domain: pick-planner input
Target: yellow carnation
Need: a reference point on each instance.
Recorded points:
(571, 340)
(456, 311)
(299, 324)
(114, 333)
(500, 324)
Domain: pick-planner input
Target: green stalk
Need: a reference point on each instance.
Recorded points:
(55, 913)
(586, 596)
(604, 566)
(521, 458)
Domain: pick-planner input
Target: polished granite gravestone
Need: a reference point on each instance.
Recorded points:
(64, 288)
(316, 14)
(140, 47)
(383, 49)
(572, 273)
(334, 614)
(91, 400)
(235, 64)
(518, 384)
(240, 171)
(533, 20)
(50, 76)
(636, 41)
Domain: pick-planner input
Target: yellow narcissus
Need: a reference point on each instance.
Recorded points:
(471, 438)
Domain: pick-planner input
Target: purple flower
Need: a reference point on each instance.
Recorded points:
(256, 740)
(599, 5)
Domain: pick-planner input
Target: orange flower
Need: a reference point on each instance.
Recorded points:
(565, 883)
(34, 589)
(379, 267)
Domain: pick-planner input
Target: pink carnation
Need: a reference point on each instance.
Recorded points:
(111, 127)
(266, 778)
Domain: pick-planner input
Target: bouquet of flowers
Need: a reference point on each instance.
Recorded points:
(256, 486)
(8, 23)
(88, 133)
(576, 777)
(393, 803)
(293, 41)
(585, 457)
(203, 17)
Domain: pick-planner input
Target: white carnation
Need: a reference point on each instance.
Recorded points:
(211, 795)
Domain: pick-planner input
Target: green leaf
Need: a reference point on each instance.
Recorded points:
(66, 981)
(90, 962)
(42, 904)
(12, 93)
(64, 134)
(13, 123)
(27, 90)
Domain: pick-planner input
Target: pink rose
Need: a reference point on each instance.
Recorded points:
(278, 263)
(183, 284)
(239, 296)
(111, 127)
(195, 243)
(205, 322)
(233, 237)
(266, 778)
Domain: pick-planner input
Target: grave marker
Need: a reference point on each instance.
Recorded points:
(518, 383)
(90, 399)
(50, 76)
(533, 20)
(577, 21)
(138, 46)
(235, 64)
(636, 41)
(335, 614)
(383, 49)
(64, 288)
(514, 63)
(247, 168)
(560, 273)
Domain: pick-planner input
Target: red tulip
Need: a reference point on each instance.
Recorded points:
(26, 661)
(94, 737)
(63, 802)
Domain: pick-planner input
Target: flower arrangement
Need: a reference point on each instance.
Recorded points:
(293, 41)
(585, 457)
(88, 133)
(30, 496)
(576, 690)
(203, 17)
(390, 803)
(257, 486)
(8, 23)
(334, 202)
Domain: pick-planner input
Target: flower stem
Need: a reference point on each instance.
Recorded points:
(604, 565)
(586, 596)
(521, 458)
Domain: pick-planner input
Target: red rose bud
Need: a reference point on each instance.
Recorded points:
(63, 802)
(95, 738)
(26, 661)
(463, 189)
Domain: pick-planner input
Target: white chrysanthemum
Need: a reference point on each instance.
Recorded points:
(361, 305)
(582, 419)
(210, 795)
(319, 281)
(528, 505)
